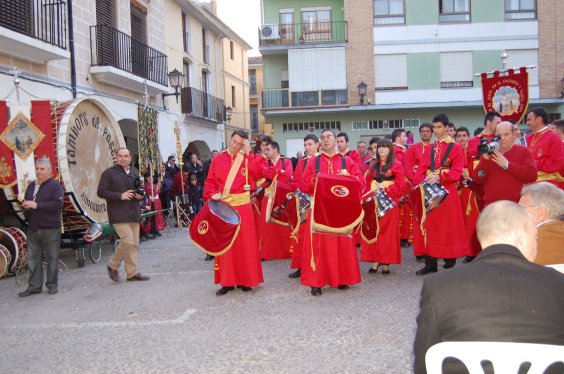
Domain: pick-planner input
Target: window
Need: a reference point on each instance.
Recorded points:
(231, 50)
(310, 127)
(286, 26)
(454, 10)
(411, 123)
(391, 72)
(525, 57)
(456, 70)
(316, 25)
(387, 124)
(284, 81)
(520, 9)
(186, 71)
(186, 34)
(233, 101)
(205, 47)
(360, 125)
(254, 119)
(252, 82)
(389, 12)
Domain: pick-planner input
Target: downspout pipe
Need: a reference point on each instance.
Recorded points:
(71, 49)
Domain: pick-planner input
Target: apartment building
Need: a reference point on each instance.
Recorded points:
(417, 59)
(256, 85)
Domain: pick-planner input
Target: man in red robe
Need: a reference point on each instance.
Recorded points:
(260, 162)
(443, 229)
(274, 239)
(399, 139)
(504, 172)
(311, 145)
(547, 148)
(240, 266)
(343, 148)
(411, 161)
(335, 256)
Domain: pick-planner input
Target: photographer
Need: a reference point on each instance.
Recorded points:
(504, 166)
(122, 188)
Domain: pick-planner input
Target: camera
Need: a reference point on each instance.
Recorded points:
(138, 186)
(489, 147)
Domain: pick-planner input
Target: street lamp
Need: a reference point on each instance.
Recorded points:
(362, 91)
(175, 78)
(227, 113)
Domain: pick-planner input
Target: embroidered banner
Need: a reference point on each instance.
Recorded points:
(7, 166)
(148, 139)
(507, 94)
(41, 117)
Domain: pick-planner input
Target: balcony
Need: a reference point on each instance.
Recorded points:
(285, 99)
(34, 30)
(122, 61)
(200, 104)
(282, 36)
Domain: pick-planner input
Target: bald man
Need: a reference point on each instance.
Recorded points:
(504, 172)
(474, 302)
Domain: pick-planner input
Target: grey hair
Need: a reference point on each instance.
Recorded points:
(548, 196)
(45, 161)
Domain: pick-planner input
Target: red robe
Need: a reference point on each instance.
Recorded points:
(275, 239)
(386, 249)
(335, 255)
(405, 216)
(259, 164)
(241, 264)
(155, 204)
(507, 184)
(443, 227)
(472, 153)
(298, 244)
(411, 161)
(469, 208)
(355, 156)
(548, 151)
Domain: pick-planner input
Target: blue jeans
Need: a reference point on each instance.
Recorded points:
(48, 240)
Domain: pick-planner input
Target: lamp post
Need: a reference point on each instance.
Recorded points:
(227, 113)
(175, 78)
(362, 91)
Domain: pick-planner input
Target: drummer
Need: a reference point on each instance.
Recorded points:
(311, 144)
(335, 255)
(42, 206)
(381, 246)
(275, 239)
(443, 229)
(240, 266)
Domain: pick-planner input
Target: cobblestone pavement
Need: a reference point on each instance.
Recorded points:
(175, 323)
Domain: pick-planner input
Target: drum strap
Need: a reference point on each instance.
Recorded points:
(445, 158)
(318, 162)
(233, 173)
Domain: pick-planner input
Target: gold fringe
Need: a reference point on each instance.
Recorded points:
(423, 215)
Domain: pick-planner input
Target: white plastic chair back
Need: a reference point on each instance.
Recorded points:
(558, 267)
(506, 357)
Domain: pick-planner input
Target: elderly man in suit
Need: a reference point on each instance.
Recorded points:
(501, 296)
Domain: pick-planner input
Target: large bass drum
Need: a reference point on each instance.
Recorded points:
(14, 240)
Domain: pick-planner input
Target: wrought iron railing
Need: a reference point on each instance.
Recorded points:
(111, 47)
(284, 98)
(201, 104)
(303, 33)
(45, 20)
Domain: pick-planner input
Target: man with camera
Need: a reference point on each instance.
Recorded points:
(504, 166)
(121, 186)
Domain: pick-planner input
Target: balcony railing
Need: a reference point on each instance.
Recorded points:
(45, 20)
(303, 33)
(201, 104)
(284, 98)
(111, 47)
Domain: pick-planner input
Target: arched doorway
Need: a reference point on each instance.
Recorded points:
(198, 147)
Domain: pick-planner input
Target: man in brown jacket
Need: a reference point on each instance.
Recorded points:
(545, 204)
(118, 185)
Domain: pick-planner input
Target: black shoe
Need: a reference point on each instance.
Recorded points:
(468, 259)
(208, 258)
(28, 292)
(385, 269)
(224, 290)
(404, 243)
(419, 258)
(315, 291)
(295, 274)
(449, 263)
(372, 271)
(53, 290)
(343, 287)
(426, 270)
(244, 288)
(158, 234)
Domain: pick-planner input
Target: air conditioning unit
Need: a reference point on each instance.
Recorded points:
(311, 130)
(269, 32)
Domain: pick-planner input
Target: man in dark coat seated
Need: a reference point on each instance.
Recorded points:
(502, 296)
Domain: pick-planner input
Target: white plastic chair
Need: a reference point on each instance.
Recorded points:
(558, 267)
(506, 357)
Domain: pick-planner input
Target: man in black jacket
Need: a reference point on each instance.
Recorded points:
(42, 205)
(118, 185)
(501, 296)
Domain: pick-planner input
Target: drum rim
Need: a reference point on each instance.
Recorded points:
(16, 248)
(62, 159)
(4, 252)
(230, 207)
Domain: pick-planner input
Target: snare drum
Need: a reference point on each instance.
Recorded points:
(14, 240)
(385, 203)
(434, 195)
(215, 228)
(5, 259)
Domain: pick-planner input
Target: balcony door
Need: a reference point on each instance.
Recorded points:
(287, 27)
(316, 25)
(17, 15)
(107, 38)
(139, 51)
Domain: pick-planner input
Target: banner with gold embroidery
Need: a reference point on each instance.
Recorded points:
(507, 94)
(7, 166)
(148, 138)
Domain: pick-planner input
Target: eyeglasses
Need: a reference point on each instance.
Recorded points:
(327, 137)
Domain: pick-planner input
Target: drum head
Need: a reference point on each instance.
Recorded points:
(5, 258)
(8, 241)
(225, 212)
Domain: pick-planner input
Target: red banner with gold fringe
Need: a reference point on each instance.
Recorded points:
(41, 118)
(507, 94)
(7, 167)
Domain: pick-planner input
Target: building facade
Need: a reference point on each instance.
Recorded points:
(256, 84)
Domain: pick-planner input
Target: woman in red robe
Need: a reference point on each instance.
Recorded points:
(384, 248)
(153, 191)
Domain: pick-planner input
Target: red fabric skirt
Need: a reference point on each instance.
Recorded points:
(335, 259)
(240, 265)
(386, 250)
(446, 236)
(405, 223)
(275, 240)
(298, 249)
(470, 214)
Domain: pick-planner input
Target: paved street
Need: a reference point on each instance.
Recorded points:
(175, 323)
